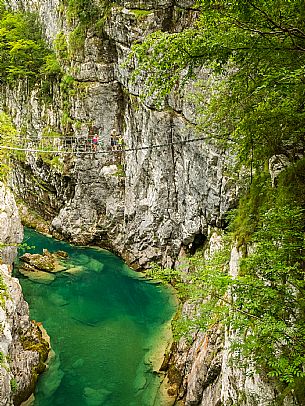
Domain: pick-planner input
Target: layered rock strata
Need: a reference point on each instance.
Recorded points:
(151, 204)
(22, 348)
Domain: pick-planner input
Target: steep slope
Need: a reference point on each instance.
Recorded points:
(153, 204)
(22, 348)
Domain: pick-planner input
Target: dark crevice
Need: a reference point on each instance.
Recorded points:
(197, 243)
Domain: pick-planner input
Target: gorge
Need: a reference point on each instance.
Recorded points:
(159, 205)
(108, 328)
(23, 345)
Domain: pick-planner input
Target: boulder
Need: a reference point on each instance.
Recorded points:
(47, 262)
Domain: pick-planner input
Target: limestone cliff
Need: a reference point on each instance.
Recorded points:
(152, 204)
(202, 373)
(22, 349)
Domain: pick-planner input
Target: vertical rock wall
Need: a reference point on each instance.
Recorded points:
(152, 203)
(22, 349)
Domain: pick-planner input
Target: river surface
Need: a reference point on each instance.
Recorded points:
(106, 325)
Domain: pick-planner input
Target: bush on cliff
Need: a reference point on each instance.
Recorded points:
(24, 53)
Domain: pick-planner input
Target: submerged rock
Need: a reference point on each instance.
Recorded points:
(78, 363)
(46, 263)
(36, 275)
(90, 263)
(58, 300)
(95, 397)
(61, 254)
(50, 382)
(75, 270)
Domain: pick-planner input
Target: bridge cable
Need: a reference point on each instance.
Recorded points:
(152, 146)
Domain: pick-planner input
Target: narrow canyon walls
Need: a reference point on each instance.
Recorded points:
(22, 348)
(149, 204)
(153, 203)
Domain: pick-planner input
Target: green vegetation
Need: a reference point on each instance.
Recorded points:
(257, 48)
(120, 170)
(7, 137)
(2, 358)
(3, 292)
(54, 161)
(67, 89)
(81, 15)
(23, 52)
(82, 11)
(251, 105)
(140, 14)
(14, 385)
(270, 294)
(61, 47)
(77, 40)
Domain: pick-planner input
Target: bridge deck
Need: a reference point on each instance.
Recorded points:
(78, 145)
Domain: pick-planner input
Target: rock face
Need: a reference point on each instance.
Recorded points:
(11, 231)
(153, 203)
(201, 373)
(22, 348)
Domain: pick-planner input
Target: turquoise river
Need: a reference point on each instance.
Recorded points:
(108, 328)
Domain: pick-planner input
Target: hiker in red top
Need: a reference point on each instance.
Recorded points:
(94, 142)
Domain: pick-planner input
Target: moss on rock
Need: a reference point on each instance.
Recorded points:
(35, 340)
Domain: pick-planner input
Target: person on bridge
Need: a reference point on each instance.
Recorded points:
(113, 139)
(94, 142)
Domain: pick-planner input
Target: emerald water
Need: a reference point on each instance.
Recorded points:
(105, 323)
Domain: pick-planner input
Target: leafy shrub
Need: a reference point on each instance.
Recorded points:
(23, 52)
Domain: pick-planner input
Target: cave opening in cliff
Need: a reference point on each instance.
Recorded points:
(197, 243)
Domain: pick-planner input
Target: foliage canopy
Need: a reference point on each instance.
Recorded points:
(251, 55)
(23, 52)
(258, 49)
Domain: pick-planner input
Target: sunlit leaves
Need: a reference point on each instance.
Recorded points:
(23, 52)
(256, 109)
(270, 288)
(7, 137)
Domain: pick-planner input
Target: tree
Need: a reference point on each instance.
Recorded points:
(23, 52)
(269, 294)
(254, 51)
(258, 48)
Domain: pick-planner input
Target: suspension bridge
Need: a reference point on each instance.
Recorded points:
(76, 145)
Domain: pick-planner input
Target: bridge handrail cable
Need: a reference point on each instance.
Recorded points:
(104, 152)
